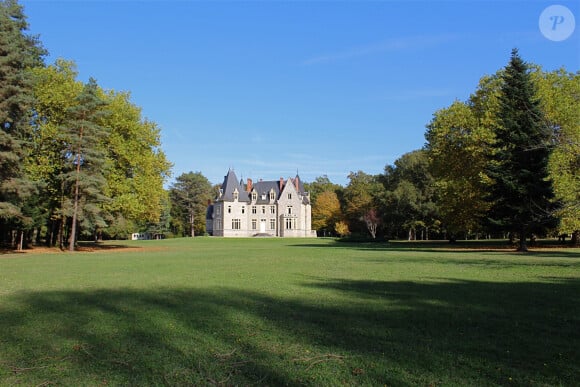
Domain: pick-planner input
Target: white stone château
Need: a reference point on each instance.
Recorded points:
(263, 208)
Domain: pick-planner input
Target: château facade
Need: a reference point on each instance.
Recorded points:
(264, 208)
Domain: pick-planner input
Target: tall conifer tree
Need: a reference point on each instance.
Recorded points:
(18, 53)
(84, 180)
(521, 194)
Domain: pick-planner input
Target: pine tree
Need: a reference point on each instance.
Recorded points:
(18, 53)
(83, 181)
(521, 193)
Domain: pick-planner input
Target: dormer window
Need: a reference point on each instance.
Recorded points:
(236, 195)
(254, 196)
(272, 196)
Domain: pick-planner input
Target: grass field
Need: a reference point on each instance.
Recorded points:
(210, 311)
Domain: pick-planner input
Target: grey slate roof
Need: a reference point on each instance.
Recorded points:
(229, 186)
(231, 183)
(264, 187)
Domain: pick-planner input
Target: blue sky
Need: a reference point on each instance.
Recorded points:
(318, 87)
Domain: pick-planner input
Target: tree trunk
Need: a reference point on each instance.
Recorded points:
(523, 247)
(73, 232)
(191, 223)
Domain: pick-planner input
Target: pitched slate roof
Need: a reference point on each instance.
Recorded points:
(262, 187)
(229, 185)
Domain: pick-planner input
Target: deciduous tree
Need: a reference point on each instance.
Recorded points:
(560, 101)
(326, 211)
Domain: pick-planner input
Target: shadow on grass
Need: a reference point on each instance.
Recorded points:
(101, 246)
(463, 247)
(352, 332)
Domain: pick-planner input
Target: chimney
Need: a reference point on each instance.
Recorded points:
(249, 185)
(297, 183)
(281, 183)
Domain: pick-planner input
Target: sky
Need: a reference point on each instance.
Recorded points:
(271, 89)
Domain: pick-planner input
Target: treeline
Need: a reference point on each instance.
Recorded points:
(504, 163)
(75, 160)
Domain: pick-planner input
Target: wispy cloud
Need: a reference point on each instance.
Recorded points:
(389, 45)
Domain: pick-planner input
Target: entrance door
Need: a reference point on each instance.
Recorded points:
(263, 226)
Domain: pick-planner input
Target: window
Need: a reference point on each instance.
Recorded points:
(236, 195)
(289, 210)
(272, 196)
(218, 224)
(290, 223)
(254, 196)
(218, 210)
(272, 209)
(290, 196)
(254, 224)
(263, 209)
(236, 224)
(254, 210)
(243, 209)
(229, 209)
(272, 224)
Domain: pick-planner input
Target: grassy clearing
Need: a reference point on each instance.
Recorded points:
(289, 312)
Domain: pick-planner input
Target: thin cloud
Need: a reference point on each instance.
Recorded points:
(394, 44)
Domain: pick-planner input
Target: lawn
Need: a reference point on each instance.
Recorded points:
(208, 311)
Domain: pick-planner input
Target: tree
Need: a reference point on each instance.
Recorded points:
(319, 185)
(360, 197)
(137, 167)
(408, 195)
(55, 91)
(189, 196)
(560, 101)
(341, 228)
(18, 54)
(326, 211)
(372, 221)
(84, 180)
(521, 194)
(457, 147)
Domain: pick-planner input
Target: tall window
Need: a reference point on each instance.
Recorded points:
(272, 196)
(290, 223)
(236, 195)
(254, 196)
(229, 209)
(254, 224)
(272, 209)
(218, 210)
(218, 224)
(263, 209)
(254, 210)
(272, 224)
(243, 209)
(290, 196)
(236, 224)
(289, 210)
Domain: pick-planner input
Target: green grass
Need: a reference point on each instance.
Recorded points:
(290, 312)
